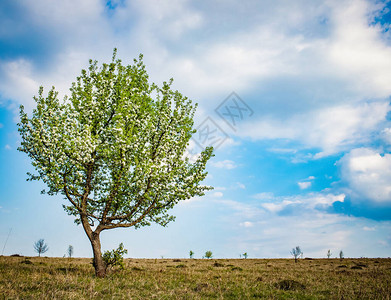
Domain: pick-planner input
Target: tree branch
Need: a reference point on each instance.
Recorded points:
(138, 220)
(69, 196)
(128, 215)
(112, 195)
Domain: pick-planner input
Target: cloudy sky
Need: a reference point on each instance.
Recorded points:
(296, 94)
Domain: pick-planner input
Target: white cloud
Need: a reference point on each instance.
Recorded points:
(331, 231)
(366, 228)
(247, 224)
(358, 50)
(271, 45)
(262, 54)
(263, 196)
(332, 129)
(386, 135)
(337, 65)
(67, 38)
(310, 201)
(169, 19)
(7, 147)
(326, 199)
(224, 164)
(267, 233)
(353, 56)
(241, 185)
(304, 185)
(17, 81)
(283, 150)
(220, 188)
(229, 142)
(84, 28)
(217, 194)
(368, 175)
(277, 207)
(243, 210)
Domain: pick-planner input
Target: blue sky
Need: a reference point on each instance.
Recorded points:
(307, 162)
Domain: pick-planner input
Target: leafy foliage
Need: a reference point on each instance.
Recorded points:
(191, 254)
(115, 257)
(289, 284)
(208, 254)
(115, 148)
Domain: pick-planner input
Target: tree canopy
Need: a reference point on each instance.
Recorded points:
(115, 147)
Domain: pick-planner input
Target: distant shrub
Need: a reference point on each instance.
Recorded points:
(288, 285)
(115, 257)
(200, 287)
(217, 264)
(191, 254)
(26, 261)
(180, 266)
(296, 252)
(40, 247)
(70, 251)
(208, 254)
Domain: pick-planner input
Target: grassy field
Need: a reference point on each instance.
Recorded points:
(63, 278)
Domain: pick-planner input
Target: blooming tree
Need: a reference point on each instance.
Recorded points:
(114, 149)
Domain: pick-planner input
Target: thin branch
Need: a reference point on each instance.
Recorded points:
(112, 195)
(141, 199)
(69, 196)
(83, 212)
(138, 220)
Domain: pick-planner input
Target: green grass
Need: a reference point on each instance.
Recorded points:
(63, 278)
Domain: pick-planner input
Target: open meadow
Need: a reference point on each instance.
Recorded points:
(64, 278)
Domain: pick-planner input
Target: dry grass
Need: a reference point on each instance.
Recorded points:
(62, 278)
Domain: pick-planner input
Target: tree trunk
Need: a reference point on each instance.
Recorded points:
(93, 236)
(99, 265)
